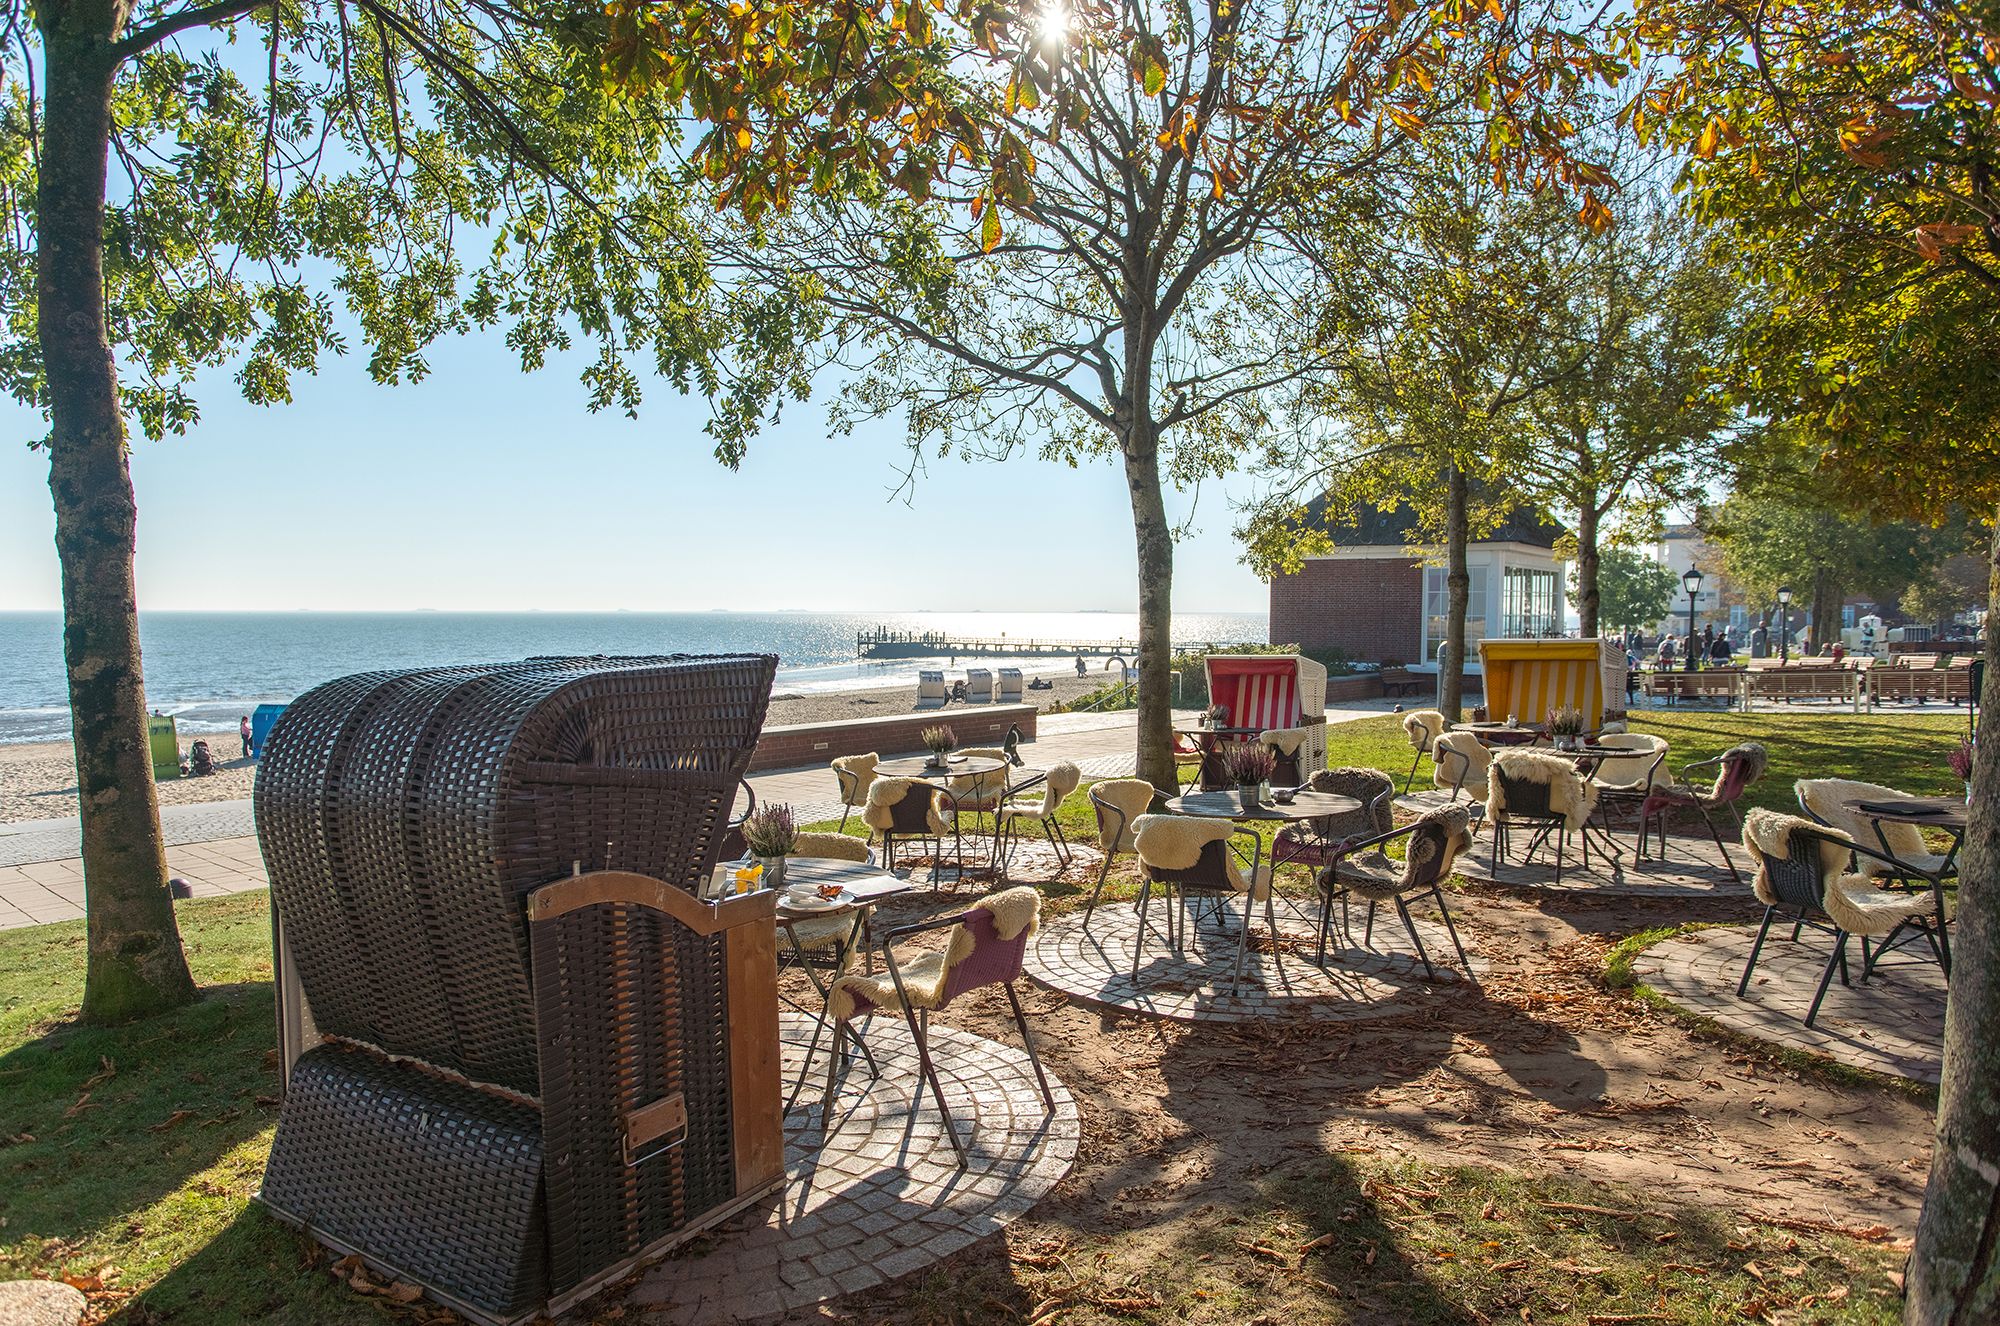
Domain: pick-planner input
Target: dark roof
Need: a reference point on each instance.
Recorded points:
(1367, 526)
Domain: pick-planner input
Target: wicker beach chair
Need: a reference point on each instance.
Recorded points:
(464, 863)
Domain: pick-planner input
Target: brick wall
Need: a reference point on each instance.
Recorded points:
(793, 745)
(1371, 608)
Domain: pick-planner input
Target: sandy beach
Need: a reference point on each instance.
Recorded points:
(38, 779)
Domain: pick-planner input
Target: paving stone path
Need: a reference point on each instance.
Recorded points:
(883, 1196)
(1094, 966)
(1893, 1024)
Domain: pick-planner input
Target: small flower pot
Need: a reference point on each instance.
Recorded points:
(1249, 793)
(774, 871)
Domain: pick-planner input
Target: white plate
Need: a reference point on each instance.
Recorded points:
(810, 901)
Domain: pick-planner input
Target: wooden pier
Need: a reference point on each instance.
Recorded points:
(881, 643)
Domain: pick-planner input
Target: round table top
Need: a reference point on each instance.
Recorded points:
(862, 883)
(1228, 805)
(919, 766)
(1937, 812)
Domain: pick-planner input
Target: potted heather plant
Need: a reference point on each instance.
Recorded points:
(1565, 725)
(1960, 760)
(772, 833)
(940, 741)
(1251, 764)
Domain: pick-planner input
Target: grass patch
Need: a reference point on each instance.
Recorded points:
(128, 1154)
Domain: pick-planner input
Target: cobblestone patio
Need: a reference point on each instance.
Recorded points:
(1690, 868)
(884, 1196)
(1094, 967)
(1894, 1024)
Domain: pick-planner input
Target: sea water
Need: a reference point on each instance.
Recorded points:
(209, 668)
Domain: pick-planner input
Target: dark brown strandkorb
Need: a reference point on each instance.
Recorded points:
(539, 1056)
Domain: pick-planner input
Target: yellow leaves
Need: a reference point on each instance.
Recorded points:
(1935, 239)
(1714, 134)
(1594, 214)
(1859, 139)
(989, 230)
(1407, 120)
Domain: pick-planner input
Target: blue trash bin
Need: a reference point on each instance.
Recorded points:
(262, 719)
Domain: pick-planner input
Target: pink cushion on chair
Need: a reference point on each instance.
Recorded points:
(991, 961)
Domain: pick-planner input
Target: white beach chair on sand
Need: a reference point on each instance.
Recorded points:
(930, 690)
(978, 686)
(1010, 686)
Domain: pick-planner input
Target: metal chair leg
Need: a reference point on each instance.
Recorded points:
(845, 811)
(1743, 986)
(1411, 781)
(1437, 892)
(919, 1030)
(1028, 1040)
(1102, 875)
(1410, 924)
(1838, 958)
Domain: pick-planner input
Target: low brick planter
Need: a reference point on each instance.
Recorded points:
(792, 745)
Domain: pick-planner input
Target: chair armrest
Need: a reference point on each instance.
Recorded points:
(749, 810)
(1256, 852)
(1102, 808)
(1883, 857)
(918, 927)
(1349, 846)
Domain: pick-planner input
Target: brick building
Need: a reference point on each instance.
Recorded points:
(1375, 598)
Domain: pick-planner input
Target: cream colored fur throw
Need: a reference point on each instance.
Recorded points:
(1424, 727)
(832, 846)
(1285, 741)
(1133, 796)
(1822, 796)
(1447, 770)
(889, 791)
(862, 769)
(1060, 781)
(1850, 901)
(1569, 795)
(1175, 842)
(1014, 911)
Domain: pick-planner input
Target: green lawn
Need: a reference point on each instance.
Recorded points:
(128, 1155)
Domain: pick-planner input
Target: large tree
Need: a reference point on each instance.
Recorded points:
(1850, 150)
(1632, 426)
(1429, 355)
(1634, 591)
(262, 184)
(1072, 229)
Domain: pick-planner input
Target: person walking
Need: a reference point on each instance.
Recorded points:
(244, 729)
(1079, 665)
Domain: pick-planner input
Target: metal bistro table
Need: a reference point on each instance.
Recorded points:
(1941, 813)
(1501, 734)
(1209, 743)
(862, 885)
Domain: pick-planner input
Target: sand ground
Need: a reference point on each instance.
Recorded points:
(38, 779)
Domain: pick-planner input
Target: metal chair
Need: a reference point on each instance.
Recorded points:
(899, 809)
(1800, 866)
(1213, 871)
(1313, 842)
(1736, 769)
(1531, 787)
(1460, 761)
(855, 774)
(1423, 727)
(1361, 869)
(1056, 785)
(988, 946)
(1118, 803)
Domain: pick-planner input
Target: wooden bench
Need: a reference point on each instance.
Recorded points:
(1402, 681)
(1711, 684)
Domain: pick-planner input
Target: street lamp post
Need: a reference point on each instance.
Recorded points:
(1691, 582)
(1785, 625)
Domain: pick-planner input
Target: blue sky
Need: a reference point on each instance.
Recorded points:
(486, 489)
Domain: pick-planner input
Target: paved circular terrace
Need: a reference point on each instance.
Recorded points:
(1893, 1024)
(1094, 967)
(884, 1196)
(1690, 867)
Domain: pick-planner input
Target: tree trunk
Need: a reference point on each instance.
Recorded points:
(135, 961)
(1586, 566)
(1954, 1272)
(1156, 607)
(1458, 583)
(1826, 598)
